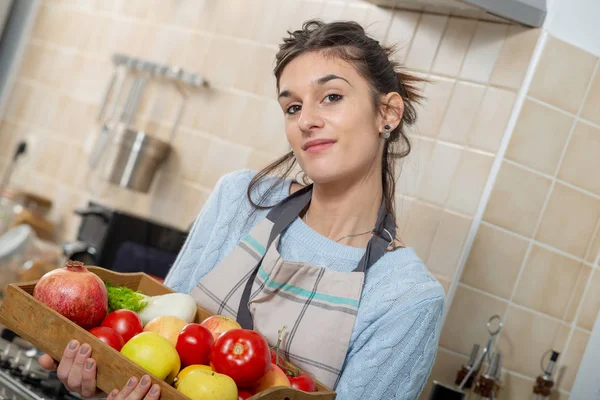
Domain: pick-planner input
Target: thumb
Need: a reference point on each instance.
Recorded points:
(47, 362)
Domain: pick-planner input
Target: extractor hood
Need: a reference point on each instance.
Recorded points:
(525, 12)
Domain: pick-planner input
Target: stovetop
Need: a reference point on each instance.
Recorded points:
(22, 378)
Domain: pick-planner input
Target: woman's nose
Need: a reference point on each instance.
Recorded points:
(309, 118)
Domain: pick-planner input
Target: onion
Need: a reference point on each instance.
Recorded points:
(75, 293)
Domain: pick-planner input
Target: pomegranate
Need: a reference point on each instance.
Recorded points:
(75, 293)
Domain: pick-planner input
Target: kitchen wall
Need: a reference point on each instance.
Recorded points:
(534, 260)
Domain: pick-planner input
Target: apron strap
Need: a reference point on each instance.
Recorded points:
(282, 215)
(383, 235)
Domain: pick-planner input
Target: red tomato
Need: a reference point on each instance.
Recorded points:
(243, 355)
(125, 322)
(243, 395)
(303, 382)
(193, 345)
(108, 336)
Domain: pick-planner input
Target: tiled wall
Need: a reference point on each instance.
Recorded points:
(475, 69)
(533, 258)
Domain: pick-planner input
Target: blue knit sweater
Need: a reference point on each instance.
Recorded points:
(395, 337)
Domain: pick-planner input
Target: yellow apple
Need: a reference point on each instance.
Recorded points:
(202, 384)
(275, 377)
(154, 353)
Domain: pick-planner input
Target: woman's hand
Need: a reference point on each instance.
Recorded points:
(77, 371)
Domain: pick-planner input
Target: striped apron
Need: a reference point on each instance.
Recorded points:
(317, 305)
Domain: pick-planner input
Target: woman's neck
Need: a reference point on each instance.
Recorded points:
(341, 209)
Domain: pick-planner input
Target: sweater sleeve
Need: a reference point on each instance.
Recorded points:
(393, 356)
(189, 260)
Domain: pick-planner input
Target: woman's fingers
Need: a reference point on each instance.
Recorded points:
(88, 378)
(154, 393)
(142, 389)
(127, 389)
(137, 390)
(66, 362)
(75, 378)
(47, 362)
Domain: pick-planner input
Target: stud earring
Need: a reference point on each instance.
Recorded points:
(386, 135)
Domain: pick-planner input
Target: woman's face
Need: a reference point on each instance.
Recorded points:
(330, 121)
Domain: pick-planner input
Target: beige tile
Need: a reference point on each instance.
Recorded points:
(594, 250)
(539, 137)
(591, 303)
(411, 169)
(444, 370)
(562, 75)
(333, 10)
(187, 157)
(356, 11)
(74, 119)
(431, 113)
(421, 227)
(176, 202)
(427, 38)
(460, 114)
(448, 244)
(260, 159)
(402, 206)
(264, 83)
(484, 51)
(591, 106)
(514, 57)
(437, 181)
(582, 279)
(494, 261)
(377, 21)
(516, 199)
(272, 135)
(491, 119)
(572, 358)
(524, 338)
(453, 48)
(470, 178)
(575, 213)
(582, 158)
(515, 387)
(547, 282)
(401, 31)
(19, 104)
(466, 321)
(222, 157)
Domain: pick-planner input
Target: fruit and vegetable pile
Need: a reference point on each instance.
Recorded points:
(213, 359)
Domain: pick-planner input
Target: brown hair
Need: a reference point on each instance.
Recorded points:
(348, 41)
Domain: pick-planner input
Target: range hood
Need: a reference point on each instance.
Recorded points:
(526, 12)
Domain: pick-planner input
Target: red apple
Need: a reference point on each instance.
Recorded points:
(218, 324)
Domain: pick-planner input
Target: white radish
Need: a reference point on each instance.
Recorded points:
(179, 305)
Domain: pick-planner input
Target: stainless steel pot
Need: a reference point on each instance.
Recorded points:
(137, 158)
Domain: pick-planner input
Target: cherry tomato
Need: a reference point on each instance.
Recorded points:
(303, 382)
(243, 355)
(243, 395)
(193, 345)
(109, 336)
(125, 322)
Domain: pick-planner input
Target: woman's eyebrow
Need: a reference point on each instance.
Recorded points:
(320, 81)
(330, 77)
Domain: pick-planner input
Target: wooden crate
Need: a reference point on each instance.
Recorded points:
(51, 332)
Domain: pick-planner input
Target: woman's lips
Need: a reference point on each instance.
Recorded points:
(317, 146)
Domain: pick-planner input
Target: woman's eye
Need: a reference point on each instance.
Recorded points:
(333, 98)
(291, 110)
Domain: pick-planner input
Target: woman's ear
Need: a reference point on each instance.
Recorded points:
(391, 109)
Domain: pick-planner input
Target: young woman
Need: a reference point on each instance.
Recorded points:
(322, 258)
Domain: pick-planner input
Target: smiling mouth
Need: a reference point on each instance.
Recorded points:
(317, 146)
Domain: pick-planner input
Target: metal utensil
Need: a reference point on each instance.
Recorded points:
(487, 350)
(19, 151)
